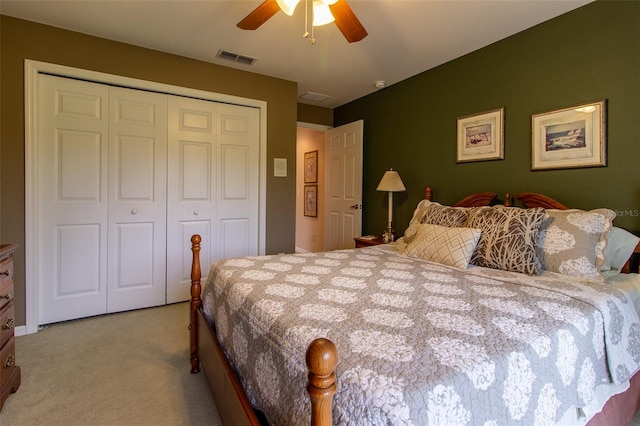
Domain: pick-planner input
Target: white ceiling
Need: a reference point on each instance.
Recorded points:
(405, 38)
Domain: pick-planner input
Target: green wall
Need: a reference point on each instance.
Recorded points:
(20, 40)
(589, 54)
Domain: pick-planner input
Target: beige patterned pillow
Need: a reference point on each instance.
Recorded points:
(508, 238)
(445, 245)
(572, 242)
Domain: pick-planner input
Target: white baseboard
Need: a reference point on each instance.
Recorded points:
(20, 331)
(301, 250)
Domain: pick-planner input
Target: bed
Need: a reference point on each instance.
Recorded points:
(398, 338)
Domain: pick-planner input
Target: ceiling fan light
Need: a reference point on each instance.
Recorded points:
(321, 14)
(288, 6)
(329, 2)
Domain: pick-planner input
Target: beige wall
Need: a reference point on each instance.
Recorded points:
(20, 40)
(309, 230)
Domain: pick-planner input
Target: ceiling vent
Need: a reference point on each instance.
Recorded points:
(316, 97)
(235, 57)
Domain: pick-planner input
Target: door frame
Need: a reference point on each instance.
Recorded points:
(32, 69)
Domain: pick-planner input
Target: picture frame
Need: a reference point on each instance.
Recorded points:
(573, 137)
(311, 200)
(311, 167)
(480, 136)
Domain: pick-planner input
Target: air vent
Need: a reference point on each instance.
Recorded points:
(312, 96)
(235, 57)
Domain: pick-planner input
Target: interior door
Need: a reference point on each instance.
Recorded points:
(137, 199)
(343, 192)
(72, 178)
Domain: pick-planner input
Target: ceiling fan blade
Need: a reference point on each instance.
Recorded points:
(347, 22)
(260, 15)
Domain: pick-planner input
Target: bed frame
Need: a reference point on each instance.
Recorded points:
(322, 356)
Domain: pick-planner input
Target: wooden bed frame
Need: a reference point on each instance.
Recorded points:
(322, 356)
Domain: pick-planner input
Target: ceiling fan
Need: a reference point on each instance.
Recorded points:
(345, 19)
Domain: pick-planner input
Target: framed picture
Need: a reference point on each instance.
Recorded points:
(481, 136)
(311, 200)
(570, 137)
(311, 167)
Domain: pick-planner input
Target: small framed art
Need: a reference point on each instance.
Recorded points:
(311, 167)
(570, 138)
(481, 136)
(311, 200)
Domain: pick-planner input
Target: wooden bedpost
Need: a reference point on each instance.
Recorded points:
(428, 193)
(507, 200)
(322, 359)
(195, 302)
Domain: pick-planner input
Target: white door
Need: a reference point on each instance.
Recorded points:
(343, 193)
(213, 186)
(72, 178)
(137, 199)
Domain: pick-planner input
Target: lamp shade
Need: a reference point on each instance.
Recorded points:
(288, 6)
(321, 13)
(391, 182)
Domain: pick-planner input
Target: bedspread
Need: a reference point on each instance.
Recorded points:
(419, 343)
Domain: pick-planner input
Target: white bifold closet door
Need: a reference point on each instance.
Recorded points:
(212, 188)
(125, 178)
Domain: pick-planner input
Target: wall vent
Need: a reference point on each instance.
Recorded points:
(312, 96)
(235, 57)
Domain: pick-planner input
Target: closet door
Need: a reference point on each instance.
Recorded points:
(213, 186)
(137, 199)
(72, 166)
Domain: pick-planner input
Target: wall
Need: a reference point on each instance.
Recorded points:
(315, 114)
(309, 230)
(20, 40)
(589, 54)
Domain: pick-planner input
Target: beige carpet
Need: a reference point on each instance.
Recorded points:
(129, 368)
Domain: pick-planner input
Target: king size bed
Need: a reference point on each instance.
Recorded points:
(480, 314)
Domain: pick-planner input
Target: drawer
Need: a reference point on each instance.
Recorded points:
(6, 270)
(7, 323)
(6, 282)
(7, 360)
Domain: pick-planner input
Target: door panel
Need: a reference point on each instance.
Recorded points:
(72, 167)
(343, 171)
(137, 199)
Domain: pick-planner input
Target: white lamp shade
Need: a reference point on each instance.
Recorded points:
(288, 6)
(391, 182)
(321, 13)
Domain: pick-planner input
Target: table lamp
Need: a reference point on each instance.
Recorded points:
(391, 183)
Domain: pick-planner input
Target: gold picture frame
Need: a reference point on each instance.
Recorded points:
(573, 137)
(311, 200)
(311, 167)
(481, 136)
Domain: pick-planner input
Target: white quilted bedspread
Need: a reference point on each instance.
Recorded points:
(419, 343)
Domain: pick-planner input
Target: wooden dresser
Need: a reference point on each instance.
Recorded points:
(9, 371)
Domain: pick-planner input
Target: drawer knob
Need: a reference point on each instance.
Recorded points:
(10, 362)
(8, 324)
(5, 296)
(5, 273)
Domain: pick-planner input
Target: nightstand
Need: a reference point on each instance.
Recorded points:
(366, 242)
(9, 371)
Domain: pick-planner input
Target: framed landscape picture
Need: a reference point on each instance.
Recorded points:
(311, 200)
(570, 138)
(481, 136)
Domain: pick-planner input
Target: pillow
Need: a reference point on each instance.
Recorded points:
(445, 245)
(572, 242)
(415, 221)
(437, 214)
(619, 248)
(508, 238)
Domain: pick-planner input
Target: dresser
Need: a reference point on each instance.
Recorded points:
(9, 371)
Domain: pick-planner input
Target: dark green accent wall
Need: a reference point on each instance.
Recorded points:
(589, 54)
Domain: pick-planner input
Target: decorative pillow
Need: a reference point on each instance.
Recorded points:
(619, 248)
(441, 244)
(416, 219)
(437, 214)
(572, 242)
(508, 238)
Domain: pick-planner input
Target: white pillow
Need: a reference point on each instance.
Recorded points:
(619, 248)
(445, 245)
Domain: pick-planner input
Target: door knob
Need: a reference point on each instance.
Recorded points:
(356, 206)
(134, 211)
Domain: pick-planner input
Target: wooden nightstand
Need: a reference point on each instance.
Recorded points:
(365, 242)
(9, 371)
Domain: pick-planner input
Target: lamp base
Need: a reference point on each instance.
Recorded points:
(387, 236)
